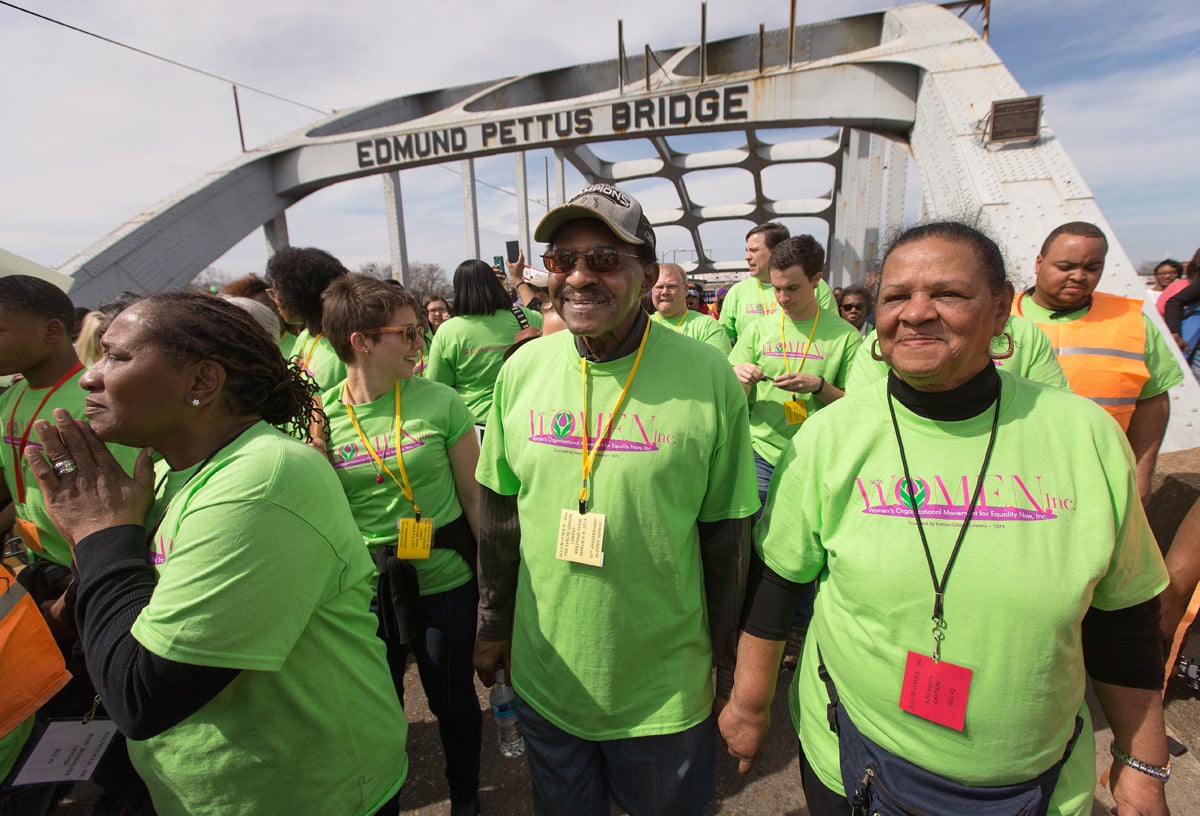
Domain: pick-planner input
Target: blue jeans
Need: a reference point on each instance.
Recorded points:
(666, 775)
(444, 643)
(763, 470)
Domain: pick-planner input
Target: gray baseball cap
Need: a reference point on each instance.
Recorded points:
(611, 206)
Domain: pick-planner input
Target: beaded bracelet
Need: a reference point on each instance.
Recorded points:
(1160, 772)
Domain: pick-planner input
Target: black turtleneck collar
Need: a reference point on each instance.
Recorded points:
(627, 346)
(970, 399)
(1055, 315)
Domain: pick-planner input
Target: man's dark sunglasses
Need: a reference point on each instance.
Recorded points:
(600, 261)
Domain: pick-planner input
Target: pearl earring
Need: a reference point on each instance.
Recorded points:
(196, 402)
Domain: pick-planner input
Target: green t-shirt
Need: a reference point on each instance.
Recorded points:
(12, 743)
(1160, 361)
(621, 650)
(748, 300)
(287, 344)
(260, 568)
(829, 356)
(423, 359)
(1032, 357)
(17, 407)
(318, 359)
(1051, 536)
(467, 353)
(433, 418)
(697, 326)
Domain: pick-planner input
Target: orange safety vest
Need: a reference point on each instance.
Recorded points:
(30, 662)
(1103, 353)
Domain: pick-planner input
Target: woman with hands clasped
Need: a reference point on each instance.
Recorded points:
(231, 641)
(970, 576)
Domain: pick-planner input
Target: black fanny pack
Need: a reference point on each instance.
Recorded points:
(398, 589)
(879, 783)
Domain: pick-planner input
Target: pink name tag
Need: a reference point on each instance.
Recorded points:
(936, 691)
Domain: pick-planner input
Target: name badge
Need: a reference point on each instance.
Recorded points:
(415, 538)
(936, 691)
(795, 411)
(68, 751)
(581, 538)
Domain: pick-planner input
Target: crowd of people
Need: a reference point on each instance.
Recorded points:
(245, 513)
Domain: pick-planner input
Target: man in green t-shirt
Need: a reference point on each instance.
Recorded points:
(671, 309)
(752, 298)
(616, 601)
(1109, 350)
(35, 341)
(795, 364)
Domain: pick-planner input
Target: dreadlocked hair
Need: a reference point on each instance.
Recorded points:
(189, 326)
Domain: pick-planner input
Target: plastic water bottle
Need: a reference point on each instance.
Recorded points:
(504, 707)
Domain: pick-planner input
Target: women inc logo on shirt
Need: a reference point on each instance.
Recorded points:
(630, 432)
(1003, 498)
(353, 453)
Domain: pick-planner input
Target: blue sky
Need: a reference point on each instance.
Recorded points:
(94, 134)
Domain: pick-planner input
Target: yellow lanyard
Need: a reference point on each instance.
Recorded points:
(405, 486)
(587, 457)
(763, 300)
(682, 318)
(807, 346)
(307, 351)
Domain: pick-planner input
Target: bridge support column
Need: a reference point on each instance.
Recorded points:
(276, 233)
(523, 204)
(397, 241)
(470, 207)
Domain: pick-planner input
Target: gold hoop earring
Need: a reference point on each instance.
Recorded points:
(1008, 352)
(875, 355)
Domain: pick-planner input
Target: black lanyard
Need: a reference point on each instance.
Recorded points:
(939, 587)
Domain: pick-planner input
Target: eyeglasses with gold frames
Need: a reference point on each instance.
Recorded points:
(409, 330)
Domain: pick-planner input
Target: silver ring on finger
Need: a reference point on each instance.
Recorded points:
(65, 466)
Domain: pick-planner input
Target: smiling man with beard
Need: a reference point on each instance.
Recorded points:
(617, 485)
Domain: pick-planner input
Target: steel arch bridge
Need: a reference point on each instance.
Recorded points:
(910, 83)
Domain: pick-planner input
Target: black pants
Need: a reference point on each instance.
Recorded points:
(444, 643)
(821, 799)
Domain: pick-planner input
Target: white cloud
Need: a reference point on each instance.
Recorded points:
(1132, 136)
(97, 134)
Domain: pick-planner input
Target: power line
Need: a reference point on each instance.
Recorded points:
(478, 180)
(167, 60)
(211, 75)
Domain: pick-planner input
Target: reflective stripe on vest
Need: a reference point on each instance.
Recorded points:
(30, 662)
(1103, 353)
(1129, 355)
